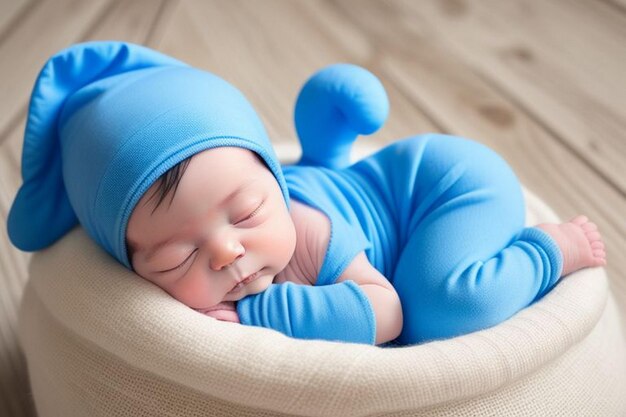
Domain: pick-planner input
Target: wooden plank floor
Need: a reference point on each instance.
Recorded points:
(540, 82)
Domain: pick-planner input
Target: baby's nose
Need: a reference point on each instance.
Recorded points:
(225, 254)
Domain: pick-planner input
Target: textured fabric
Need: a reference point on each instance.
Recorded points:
(338, 312)
(442, 218)
(106, 120)
(101, 342)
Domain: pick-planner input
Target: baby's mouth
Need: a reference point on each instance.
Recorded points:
(245, 281)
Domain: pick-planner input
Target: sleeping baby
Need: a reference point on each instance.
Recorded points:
(169, 169)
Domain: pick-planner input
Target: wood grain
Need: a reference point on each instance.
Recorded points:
(619, 5)
(47, 28)
(266, 51)
(11, 13)
(557, 73)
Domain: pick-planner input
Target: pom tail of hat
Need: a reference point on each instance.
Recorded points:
(41, 212)
(335, 105)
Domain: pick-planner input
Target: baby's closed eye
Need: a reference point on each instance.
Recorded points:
(250, 213)
(181, 264)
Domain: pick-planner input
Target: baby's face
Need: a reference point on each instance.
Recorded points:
(228, 220)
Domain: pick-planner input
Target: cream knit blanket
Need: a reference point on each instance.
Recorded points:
(100, 341)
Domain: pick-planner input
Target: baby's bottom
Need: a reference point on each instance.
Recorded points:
(468, 262)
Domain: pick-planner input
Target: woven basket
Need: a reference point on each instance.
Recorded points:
(99, 341)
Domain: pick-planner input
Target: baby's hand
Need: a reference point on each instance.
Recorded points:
(224, 311)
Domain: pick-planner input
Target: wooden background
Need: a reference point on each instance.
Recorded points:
(541, 82)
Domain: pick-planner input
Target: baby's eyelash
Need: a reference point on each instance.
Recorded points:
(181, 264)
(254, 212)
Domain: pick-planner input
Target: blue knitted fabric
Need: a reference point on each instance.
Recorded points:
(442, 218)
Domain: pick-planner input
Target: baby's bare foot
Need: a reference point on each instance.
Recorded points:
(580, 243)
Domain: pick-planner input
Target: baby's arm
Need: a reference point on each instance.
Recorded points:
(382, 296)
(361, 307)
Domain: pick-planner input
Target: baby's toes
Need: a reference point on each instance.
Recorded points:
(589, 227)
(598, 244)
(599, 257)
(579, 220)
(594, 236)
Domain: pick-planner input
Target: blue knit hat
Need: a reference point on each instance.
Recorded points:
(105, 121)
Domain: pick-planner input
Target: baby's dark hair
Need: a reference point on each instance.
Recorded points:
(168, 182)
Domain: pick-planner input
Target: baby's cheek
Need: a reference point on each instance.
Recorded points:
(286, 238)
(193, 293)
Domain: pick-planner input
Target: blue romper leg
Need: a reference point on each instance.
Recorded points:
(467, 261)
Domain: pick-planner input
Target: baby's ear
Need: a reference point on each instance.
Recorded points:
(130, 251)
(337, 104)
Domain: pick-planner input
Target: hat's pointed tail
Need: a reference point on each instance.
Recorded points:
(41, 212)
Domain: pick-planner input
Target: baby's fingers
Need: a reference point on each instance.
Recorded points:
(224, 315)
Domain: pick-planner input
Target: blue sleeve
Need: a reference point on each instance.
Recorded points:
(339, 312)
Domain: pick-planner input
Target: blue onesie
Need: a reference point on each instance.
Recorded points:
(440, 216)
(443, 219)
